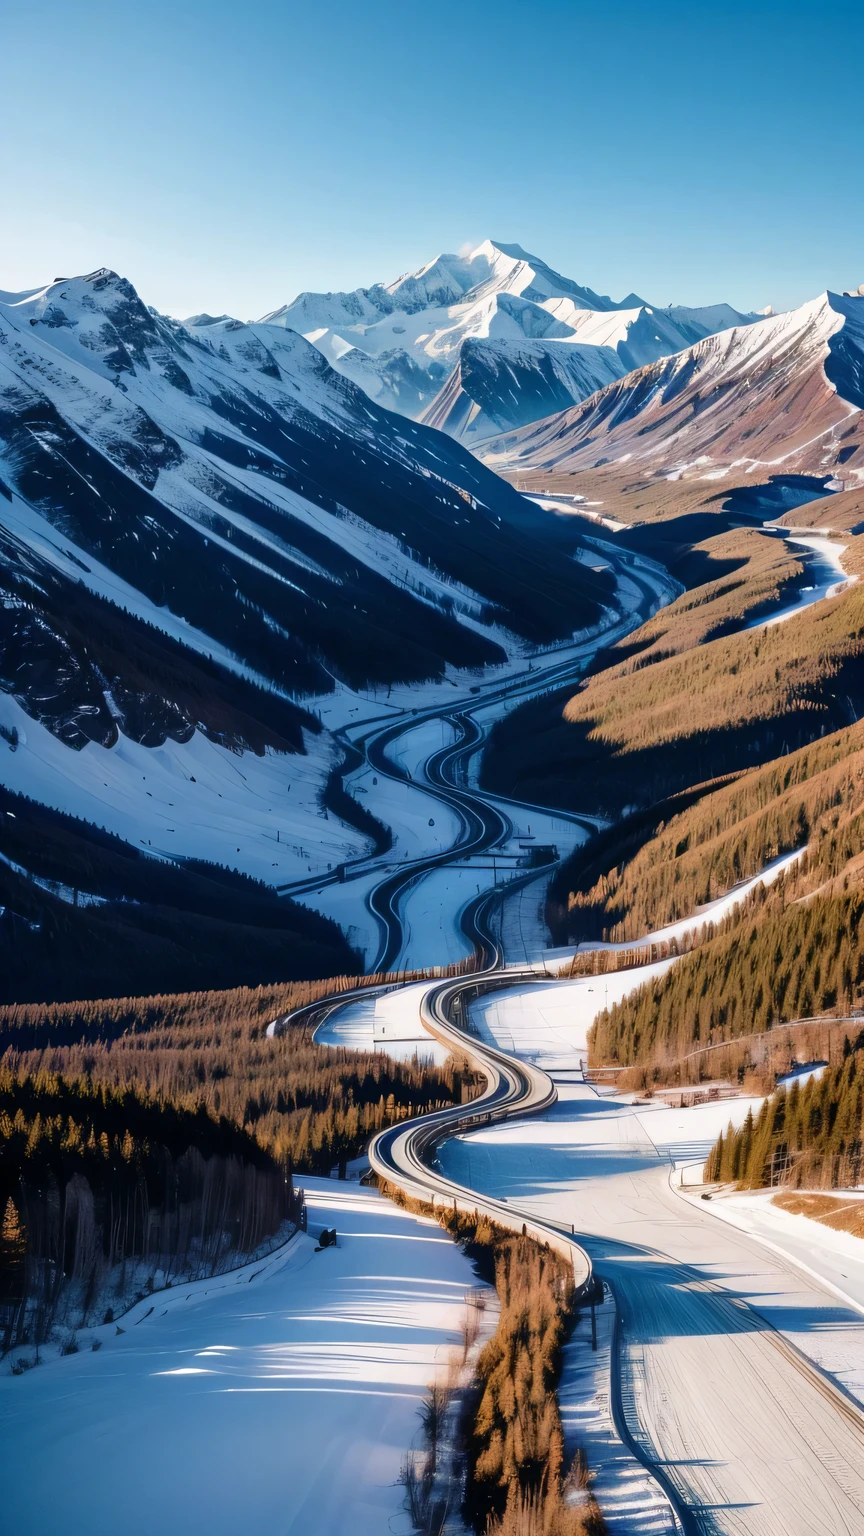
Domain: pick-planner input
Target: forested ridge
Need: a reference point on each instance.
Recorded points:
(314, 1105)
(106, 1187)
(706, 842)
(772, 965)
(84, 913)
(684, 708)
(806, 1135)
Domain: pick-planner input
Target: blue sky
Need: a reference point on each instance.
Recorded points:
(224, 156)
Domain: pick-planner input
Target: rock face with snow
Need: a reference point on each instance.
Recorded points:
(498, 385)
(786, 391)
(203, 528)
(447, 344)
(256, 503)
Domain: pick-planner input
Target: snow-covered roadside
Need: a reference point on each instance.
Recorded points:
(585, 1128)
(825, 565)
(411, 750)
(347, 905)
(126, 1300)
(630, 1499)
(431, 910)
(288, 1402)
(429, 907)
(389, 1023)
(835, 1258)
(421, 824)
(590, 1160)
(548, 1021)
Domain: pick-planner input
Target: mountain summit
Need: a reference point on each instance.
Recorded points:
(448, 342)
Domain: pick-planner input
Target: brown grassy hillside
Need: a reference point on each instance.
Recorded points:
(813, 797)
(682, 708)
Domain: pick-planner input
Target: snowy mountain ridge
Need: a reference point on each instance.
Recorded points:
(786, 390)
(402, 341)
(202, 526)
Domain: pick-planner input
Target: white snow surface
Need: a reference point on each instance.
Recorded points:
(629, 1497)
(548, 1021)
(287, 1402)
(389, 1023)
(837, 1258)
(195, 800)
(347, 905)
(407, 811)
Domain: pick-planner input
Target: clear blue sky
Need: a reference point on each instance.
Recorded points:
(226, 155)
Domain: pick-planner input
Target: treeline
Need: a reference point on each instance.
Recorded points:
(660, 870)
(313, 1105)
(516, 1478)
(752, 1062)
(104, 1186)
(769, 967)
(30, 1025)
(809, 1135)
(517, 1481)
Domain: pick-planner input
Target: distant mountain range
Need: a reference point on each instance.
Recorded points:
(783, 393)
(479, 344)
(211, 539)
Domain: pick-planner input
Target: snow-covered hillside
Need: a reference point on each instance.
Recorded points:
(786, 391)
(405, 341)
(203, 526)
(281, 1397)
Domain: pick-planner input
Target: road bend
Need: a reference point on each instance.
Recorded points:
(714, 1387)
(483, 824)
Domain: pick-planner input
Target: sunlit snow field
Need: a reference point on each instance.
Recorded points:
(286, 1400)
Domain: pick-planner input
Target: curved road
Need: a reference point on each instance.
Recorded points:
(483, 826)
(715, 1386)
(745, 1433)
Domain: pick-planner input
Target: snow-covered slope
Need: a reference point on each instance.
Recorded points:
(498, 385)
(280, 1397)
(202, 525)
(402, 341)
(787, 390)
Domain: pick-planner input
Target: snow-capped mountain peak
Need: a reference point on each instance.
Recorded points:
(202, 526)
(403, 341)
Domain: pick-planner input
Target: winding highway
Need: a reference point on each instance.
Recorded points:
(484, 827)
(728, 1358)
(716, 1390)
